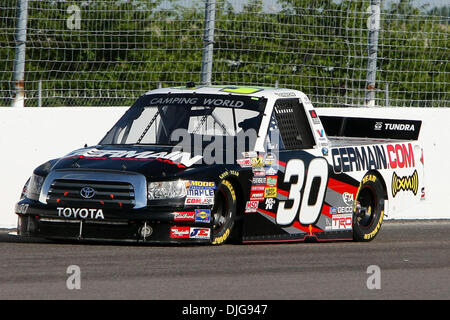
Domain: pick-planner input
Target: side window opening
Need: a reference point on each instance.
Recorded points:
(273, 138)
(293, 124)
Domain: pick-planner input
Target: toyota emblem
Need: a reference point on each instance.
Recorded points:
(87, 192)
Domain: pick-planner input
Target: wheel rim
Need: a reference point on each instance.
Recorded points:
(368, 204)
(221, 214)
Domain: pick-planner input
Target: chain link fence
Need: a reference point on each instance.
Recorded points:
(339, 52)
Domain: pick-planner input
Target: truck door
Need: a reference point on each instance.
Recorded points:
(295, 183)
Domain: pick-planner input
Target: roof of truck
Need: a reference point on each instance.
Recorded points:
(255, 91)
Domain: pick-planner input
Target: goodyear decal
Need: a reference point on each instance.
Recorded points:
(369, 177)
(410, 183)
(222, 238)
(375, 231)
(230, 187)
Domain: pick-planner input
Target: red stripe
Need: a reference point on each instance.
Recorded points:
(341, 187)
(295, 240)
(301, 227)
(273, 215)
(282, 163)
(296, 224)
(130, 159)
(283, 193)
(326, 210)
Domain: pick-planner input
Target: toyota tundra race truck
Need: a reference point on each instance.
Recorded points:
(215, 164)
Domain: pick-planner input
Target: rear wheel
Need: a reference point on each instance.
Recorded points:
(369, 209)
(224, 213)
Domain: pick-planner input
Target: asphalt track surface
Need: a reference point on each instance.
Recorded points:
(413, 259)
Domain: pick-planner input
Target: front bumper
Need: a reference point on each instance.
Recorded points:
(158, 226)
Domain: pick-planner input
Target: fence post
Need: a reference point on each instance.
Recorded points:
(373, 24)
(208, 42)
(19, 59)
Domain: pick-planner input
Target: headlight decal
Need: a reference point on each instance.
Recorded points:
(34, 187)
(167, 190)
(194, 192)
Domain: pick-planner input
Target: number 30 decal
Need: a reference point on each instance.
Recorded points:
(318, 168)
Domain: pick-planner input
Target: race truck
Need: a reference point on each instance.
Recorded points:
(197, 164)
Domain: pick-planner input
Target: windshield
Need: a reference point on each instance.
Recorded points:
(166, 119)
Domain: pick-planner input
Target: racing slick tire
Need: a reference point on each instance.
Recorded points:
(368, 212)
(224, 213)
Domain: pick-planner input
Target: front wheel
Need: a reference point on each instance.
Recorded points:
(224, 213)
(369, 209)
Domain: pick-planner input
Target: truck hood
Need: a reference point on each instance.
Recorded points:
(151, 161)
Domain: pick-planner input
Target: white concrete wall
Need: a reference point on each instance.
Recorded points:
(31, 136)
(434, 137)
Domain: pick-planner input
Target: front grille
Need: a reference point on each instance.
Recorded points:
(106, 194)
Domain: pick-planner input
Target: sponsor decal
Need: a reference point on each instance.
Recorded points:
(257, 161)
(81, 213)
(199, 233)
(244, 163)
(348, 198)
(410, 183)
(184, 216)
(271, 181)
(270, 192)
(269, 203)
(341, 210)
(378, 126)
(341, 222)
(257, 196)
(361, 158)
(203, 216)
(200, 193)
(217, 102)
(259, 180)
(285, 94)
(183, 158)
(271, 171)
(314, 117)
(201, 185)
(400, 156)
(270, 159)
(199, 201)
(249, 154)
(399, 127)
(179, 232)
(259, 172)
(251, 206)
(320, 133)
(258, 188)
